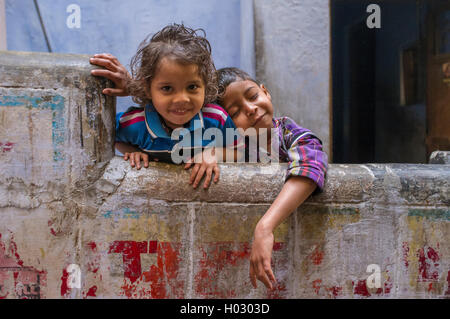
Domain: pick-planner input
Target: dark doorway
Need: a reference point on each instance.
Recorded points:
(379, 82)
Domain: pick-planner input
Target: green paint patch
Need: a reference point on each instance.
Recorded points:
(52, 102)
(124, 213)
(435, 214)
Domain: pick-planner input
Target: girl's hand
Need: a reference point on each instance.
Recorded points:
(208, 165)
(260, 257)
(135, 159)
(115, 72)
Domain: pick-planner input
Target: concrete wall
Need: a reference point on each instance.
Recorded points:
(292, 41)
(2, 25)
(65, 199)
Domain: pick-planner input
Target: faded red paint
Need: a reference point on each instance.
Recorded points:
(93, 257)
(131, 253)
(316, 284)
(317, 256)
(447, 292)
(335, 291)
(161, 280)
(28, 281)
(64, 287)
(6, 146)
(428, 264)
(388, 285)
(361, 288)
(165, 274)
(93, 246)
(13, 249)
(92, 291)
(405, 250)
(214, 258)
(52, 231)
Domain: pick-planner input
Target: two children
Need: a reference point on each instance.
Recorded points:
(249, 104)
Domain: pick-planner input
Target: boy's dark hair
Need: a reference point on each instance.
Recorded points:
(226, 76)
(181, 43)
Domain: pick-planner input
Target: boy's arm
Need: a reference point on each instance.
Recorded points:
(294, 192)
(114, 71)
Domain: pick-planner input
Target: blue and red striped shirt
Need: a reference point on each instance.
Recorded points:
(143, 127)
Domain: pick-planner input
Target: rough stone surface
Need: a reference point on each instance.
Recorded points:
(146, 234)
(440, 157)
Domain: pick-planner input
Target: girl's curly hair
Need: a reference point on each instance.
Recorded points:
(181, 43)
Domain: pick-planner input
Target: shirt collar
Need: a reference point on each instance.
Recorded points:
(155, 128)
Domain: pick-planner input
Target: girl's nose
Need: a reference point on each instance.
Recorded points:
(181, 97)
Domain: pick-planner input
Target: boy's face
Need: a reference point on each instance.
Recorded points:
(177, 92)
(248, 104)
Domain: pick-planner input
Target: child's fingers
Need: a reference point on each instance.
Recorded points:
(209, 172)
(107, 56)
(109, 74)
(145, 158)
(216, 173)
(199, 176)
(270, 274)
(115, 92)
(252, 276)
(137, 159)
(262, 276)
(132, 160)
(194, 173)
(189, 164)
(105, 63)
(126, 156)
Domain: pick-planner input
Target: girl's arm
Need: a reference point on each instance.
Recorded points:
(294, 192)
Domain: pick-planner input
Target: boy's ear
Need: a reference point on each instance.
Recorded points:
(266, 91)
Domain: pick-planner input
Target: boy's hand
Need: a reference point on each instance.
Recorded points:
(260, 257)
(115, 72)
(208, 165)
(135, 159)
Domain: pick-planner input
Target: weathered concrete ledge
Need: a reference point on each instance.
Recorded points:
(440, 157)
(67, 203)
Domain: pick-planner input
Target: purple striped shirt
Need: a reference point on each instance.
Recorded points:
(302, 149)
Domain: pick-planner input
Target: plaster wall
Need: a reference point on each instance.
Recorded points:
(66, 200)
(292, 42)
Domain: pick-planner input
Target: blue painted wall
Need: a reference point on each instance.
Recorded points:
(117, 27)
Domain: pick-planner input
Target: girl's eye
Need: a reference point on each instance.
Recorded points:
(166, 88)
(192, 87)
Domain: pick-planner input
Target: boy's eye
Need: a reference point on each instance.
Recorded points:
(254, 97)
(233, 113)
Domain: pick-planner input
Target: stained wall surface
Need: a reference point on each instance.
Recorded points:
(292, 47)
(66, 202)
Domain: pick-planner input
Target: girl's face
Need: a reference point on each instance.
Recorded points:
(177, 92)
(248, 104)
